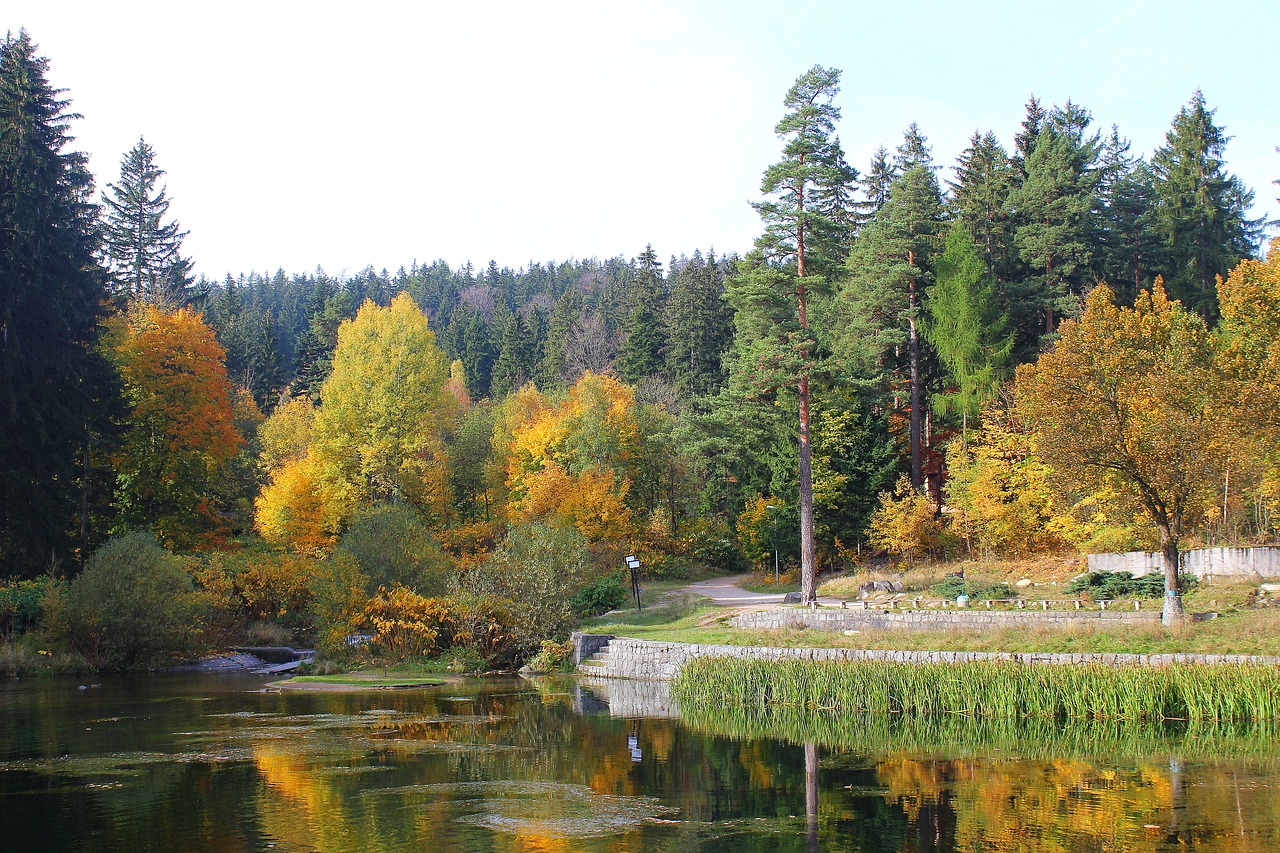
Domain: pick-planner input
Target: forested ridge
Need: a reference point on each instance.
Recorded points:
(885, 371)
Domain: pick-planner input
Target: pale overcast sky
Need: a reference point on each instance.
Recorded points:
(298, 134)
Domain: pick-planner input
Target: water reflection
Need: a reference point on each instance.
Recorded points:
(198, 764)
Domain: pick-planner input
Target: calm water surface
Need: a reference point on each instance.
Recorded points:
(195, 763)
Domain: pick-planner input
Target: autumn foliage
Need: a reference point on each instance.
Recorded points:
(182, 426)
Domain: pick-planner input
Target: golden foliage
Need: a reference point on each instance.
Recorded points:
(907, 523)
(286, 435)
(1130, 401)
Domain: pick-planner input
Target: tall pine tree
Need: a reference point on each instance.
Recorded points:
(808, 222)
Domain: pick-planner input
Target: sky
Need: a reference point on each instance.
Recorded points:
(342, 135)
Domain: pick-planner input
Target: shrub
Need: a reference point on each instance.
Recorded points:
(338, 599)
(21, 606)
(392, 547)
(551, 657)
(600, 596)
(405, 624)
(1112, 585)
(907, 524)
(977, 590)
(134, 606)
(539, 567)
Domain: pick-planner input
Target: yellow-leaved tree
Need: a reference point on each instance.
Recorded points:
(378, 435)
(574, 462)
(1248, 345)
(1130, 399)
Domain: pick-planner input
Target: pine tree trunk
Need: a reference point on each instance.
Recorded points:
(913, 354)
(808, 579)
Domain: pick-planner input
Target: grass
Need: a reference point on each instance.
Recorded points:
(368, 679)
(987, 689)
(1238, 632)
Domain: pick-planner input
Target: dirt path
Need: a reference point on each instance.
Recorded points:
(725, 591)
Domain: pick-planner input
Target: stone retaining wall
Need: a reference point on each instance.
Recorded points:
(1203, 562)
(656, 661)
(880, 620)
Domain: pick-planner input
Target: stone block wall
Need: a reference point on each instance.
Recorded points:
(648, 660)
(973, 619)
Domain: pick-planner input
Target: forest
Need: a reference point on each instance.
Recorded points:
(1050, 345)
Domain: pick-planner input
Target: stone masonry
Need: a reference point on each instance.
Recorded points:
(656, 661)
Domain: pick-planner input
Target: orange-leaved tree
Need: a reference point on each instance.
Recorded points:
(1130, 399)
(574, 462)
(181, 429)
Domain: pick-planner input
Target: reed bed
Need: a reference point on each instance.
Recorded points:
(988, 689)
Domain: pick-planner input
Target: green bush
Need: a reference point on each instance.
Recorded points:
(133, 607)
(1111, 585)
(21, 606)
(976, 590)
(393, 547)
(538, 568)
(600, 596)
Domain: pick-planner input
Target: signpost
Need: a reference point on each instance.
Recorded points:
(634, 565)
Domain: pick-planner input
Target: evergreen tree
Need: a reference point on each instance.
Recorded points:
(144, 251)
(1128, 251)
(1051, 208)
(1202, 211)
(55, 388)
(984, 180)
(914, 150)
(875, 183)
(566, 314)
(641, 353)
(508, 369)
(1025, 141)
(965, 328)
(889, 272)
(478, 355)
(808, 224)
(699, 326)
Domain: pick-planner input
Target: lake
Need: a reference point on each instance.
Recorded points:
(188, 762)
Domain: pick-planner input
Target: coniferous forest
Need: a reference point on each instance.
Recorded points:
(1043, 343)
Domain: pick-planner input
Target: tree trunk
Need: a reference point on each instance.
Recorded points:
(808, 578)
(913, 355)
(1172, 612)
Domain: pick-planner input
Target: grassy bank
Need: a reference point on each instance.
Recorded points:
(997, 690)
(1244, 632)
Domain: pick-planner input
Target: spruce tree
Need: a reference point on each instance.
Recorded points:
(1128, 252)
(984, 181)
(808, 223)
(1052, 208)
(641, 353)
(1202, 214)
(55, 388)
(889, 270)
(699, 326)
(144, 251)
(875, 183)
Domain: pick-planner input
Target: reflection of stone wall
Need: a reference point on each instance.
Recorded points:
(881, 620)
(649, 660)
(631, 698)
(1204, 562)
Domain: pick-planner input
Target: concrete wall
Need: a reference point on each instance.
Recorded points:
(1204, 562)
(653, 661)
(974, 619)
